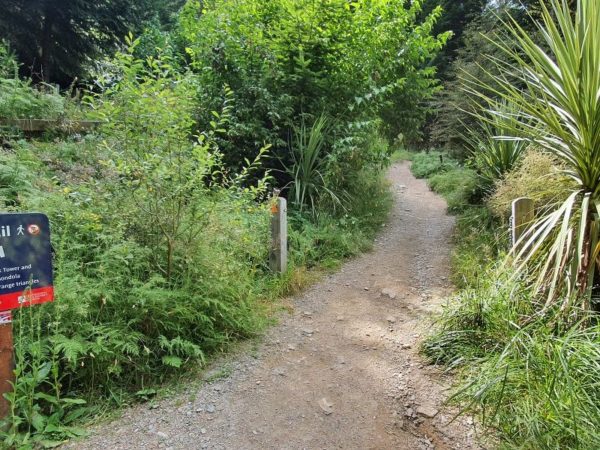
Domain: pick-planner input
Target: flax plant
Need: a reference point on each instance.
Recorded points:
(309, 166)
(494, 157)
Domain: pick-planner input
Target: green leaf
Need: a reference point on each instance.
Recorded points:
(173, 361)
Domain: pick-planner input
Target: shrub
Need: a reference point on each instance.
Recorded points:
(18, 99)
(288, 60)
(458, 186)
(425, 164)
(538, 177)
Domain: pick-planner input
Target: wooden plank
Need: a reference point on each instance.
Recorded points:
(35, 125)
(521, 220)
(279, 236)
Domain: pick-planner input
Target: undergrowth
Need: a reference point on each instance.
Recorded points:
(532, 379)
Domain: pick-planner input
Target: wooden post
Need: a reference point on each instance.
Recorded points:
(6, 361)
(279, 247)
(522, 218)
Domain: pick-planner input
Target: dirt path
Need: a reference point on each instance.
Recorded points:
(342, 371)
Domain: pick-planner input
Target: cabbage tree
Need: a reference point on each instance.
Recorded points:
(557, 92)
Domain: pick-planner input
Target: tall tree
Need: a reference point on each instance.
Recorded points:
(458, 14)
(53, 39)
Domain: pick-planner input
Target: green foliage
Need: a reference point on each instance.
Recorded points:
(284, 59)
(329, 238)
(161, 249)
(426, 164)
(18, 99)
(308, 166)
(456, 17)
(559, 101)
(492, 154)
(530, 379)
(478, 239)
(160, 255)
(475, 59)
(458, 186)
(55, 43)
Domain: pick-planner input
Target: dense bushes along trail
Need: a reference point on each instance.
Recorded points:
(342, 371)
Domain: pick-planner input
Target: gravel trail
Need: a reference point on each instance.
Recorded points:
(341, 371)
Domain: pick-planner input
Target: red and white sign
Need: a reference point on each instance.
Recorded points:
(5, 317)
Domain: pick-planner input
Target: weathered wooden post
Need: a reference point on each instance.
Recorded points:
(279, 245)
(25, 280)
(6, 360)
(521, 219)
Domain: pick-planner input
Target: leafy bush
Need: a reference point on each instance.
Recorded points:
(18, 99)
(458, 186)
(426, 164)
(285, 60)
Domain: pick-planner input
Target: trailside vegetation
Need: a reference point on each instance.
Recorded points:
(522, 332)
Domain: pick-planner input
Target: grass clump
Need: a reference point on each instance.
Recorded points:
(426, 164)
(446, 176)
(458, 186)
(538, 176)
(531, 380)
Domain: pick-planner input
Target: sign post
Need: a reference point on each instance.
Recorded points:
(25, 280)
(6, 360)
(522, 218)
(279, 247)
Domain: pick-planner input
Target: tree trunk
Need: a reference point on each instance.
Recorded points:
(583, 277)
(46, 44)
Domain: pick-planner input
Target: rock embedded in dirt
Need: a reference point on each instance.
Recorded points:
(326, 406)
(389, 292)
(427, 411)
(391, 319)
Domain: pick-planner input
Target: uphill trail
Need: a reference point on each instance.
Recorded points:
(342, 371)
